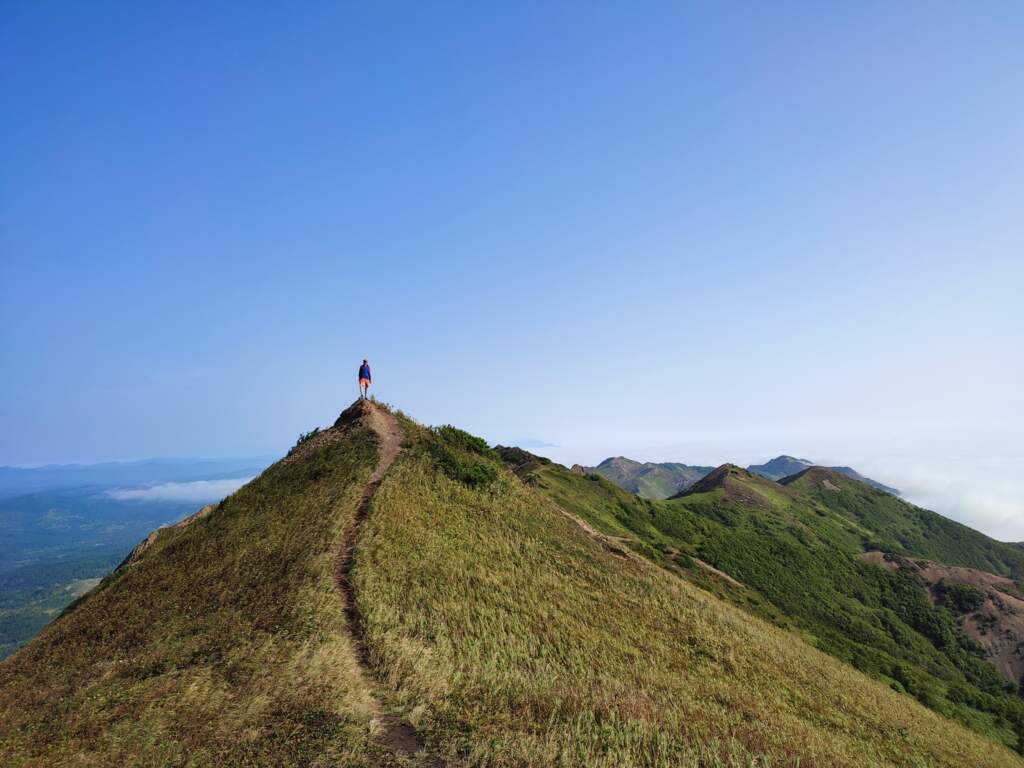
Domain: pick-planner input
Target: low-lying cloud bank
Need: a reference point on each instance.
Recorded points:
(986, 495)
(197, 491)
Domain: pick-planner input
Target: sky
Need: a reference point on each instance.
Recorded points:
(685, 231)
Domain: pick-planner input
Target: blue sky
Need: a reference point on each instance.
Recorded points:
(690, 232)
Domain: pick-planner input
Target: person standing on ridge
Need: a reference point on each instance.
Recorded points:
(364, 379)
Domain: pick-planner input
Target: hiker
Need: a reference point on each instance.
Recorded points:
(364, 379)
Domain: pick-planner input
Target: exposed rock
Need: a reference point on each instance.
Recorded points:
(998, 625)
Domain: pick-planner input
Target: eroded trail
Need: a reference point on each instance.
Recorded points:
(397, 735)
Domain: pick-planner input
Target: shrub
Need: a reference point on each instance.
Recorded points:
(463, 457)
(961, 598)
(684, 560)
(303, 437)
(458, 438)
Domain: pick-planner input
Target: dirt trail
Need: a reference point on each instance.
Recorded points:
(397, 735)
(617, 545)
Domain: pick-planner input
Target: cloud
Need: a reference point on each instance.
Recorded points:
(197, 491)
(986, 495)
(531, 442)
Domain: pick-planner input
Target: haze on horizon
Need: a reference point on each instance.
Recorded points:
(694, 234)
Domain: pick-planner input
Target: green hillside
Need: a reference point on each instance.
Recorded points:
(493, 624)
(787, 553)
(898, 526)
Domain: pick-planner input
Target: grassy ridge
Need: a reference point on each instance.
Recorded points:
(512, 637)
(794, 549)
(224, 644)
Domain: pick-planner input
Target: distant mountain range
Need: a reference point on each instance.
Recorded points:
(786, 466)
(662, 480)
(63, 526)
(123, 474)
(649, 479)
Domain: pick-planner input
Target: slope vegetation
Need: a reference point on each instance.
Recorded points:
(789, 554)
(989, 608)
(503, 624)
(894, 525)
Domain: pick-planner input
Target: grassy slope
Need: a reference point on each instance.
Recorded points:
(796, 555)
(224, 644)
(514, 638)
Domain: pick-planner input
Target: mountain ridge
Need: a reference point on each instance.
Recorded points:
(787, 466)
(662, 480)
(509, 617)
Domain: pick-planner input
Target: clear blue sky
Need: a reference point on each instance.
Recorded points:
(689, 231)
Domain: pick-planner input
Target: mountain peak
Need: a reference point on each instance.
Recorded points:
(720, 477)
(824, 477)
(834, 479)
(619, 462)
(358, 410)
(780, 466)
(740, 486)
